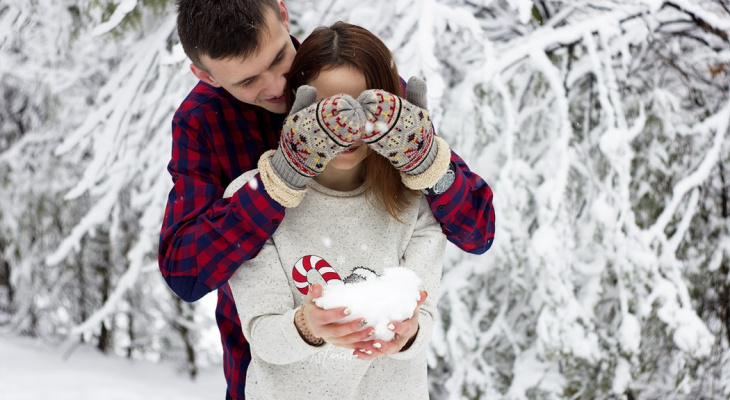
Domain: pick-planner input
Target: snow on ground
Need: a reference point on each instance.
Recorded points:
(30, 370)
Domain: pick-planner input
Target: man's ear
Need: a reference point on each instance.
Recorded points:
(204, 76)
(284, 14)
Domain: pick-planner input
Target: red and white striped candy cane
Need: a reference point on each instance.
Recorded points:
(306, 263)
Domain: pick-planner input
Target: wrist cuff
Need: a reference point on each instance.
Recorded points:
(275, 186)
(286, 172)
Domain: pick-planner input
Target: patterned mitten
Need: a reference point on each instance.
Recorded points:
(401, 131)
(312, 135)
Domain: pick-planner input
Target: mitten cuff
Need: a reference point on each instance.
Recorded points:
(275, 186)
(284, 170)
(429, 177)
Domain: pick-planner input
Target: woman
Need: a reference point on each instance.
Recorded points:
(357, 213)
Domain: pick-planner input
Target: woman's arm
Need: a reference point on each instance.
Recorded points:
(269, 314)
(424, 255)
(266, 308)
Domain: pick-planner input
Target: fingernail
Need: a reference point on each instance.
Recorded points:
(391, 326)
(363, 322)
(377, 345)
(369, 352)
(372, 332)
(348, 311)
(361, 350)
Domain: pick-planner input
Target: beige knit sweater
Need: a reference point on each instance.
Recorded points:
(344, 229)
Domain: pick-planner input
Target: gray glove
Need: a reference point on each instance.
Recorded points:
(400, 130)
(314, 133)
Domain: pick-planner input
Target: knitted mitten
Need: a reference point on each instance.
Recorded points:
(312, 135)
(401, 131)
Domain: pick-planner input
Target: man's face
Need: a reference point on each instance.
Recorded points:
(260, 78)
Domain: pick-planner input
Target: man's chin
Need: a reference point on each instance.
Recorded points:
(276, 108)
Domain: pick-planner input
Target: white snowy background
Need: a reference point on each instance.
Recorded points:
(601, 126)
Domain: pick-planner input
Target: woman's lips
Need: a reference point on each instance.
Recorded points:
(351, 149)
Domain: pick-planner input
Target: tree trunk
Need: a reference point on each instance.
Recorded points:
(101, 264)
(6, 302)
(186, 336)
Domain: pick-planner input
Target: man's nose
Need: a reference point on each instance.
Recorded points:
(274, 84)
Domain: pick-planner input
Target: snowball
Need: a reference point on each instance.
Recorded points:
(381, 300)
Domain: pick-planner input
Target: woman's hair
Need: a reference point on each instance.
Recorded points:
(346, 45)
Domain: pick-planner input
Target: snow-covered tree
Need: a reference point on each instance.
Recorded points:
(601, 126)
(597, 124)
(78, 229)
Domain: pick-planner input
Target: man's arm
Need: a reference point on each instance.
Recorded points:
(205, 238)
(465, 210)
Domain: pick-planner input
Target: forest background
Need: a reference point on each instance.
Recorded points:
(601, 126)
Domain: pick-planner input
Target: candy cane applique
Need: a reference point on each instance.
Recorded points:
(305, 264)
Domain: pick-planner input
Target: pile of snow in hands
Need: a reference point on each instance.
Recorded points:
(381, 300)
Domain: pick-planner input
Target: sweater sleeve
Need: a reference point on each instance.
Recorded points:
(424, 255)
(266, 308)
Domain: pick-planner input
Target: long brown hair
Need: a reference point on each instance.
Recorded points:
(347, 45)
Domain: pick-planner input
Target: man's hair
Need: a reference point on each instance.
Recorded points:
(347, 45)
(222, 29)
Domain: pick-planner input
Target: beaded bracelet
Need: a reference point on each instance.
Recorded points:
(304, 331)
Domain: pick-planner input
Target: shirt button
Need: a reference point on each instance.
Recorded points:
(442, 207)
(275, 222)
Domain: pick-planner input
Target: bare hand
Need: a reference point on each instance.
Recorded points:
(323, 323)
(405, 334)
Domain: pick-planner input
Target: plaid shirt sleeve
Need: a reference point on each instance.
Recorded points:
(205, 238)
(465, 210)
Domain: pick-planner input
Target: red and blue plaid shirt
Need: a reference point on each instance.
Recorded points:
(205, 238)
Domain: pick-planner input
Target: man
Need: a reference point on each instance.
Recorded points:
(241, 51)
